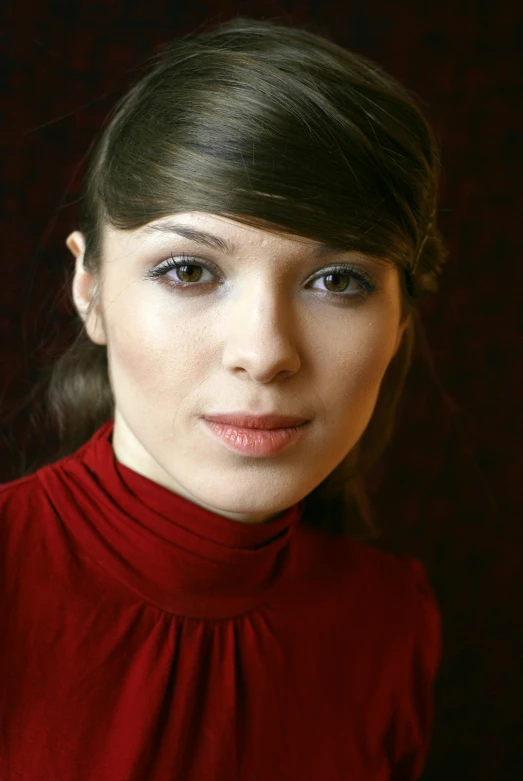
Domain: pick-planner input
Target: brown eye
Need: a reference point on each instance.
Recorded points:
(186, 273)
(337, 285)
(336, 280)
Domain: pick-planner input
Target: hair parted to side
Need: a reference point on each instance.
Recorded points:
(279, 128)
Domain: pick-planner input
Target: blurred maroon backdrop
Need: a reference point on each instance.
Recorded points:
(447, 488)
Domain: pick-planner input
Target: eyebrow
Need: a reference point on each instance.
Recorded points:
(199, 236)
(217, 243)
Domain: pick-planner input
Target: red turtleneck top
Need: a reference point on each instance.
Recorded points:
(144, 638)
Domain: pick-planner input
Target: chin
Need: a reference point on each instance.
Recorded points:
(243, 508)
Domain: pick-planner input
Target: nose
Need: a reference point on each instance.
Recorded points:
(261, 336)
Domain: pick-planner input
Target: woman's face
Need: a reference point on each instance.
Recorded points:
(267, 330)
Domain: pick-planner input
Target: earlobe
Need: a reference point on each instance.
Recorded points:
(84, 290)
(82, 282)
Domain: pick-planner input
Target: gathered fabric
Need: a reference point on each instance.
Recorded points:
(146, 638)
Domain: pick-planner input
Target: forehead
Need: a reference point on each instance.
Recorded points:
(228, 233)
(222, 234)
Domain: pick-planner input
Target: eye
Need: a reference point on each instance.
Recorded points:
(340, 278)
(189, 272)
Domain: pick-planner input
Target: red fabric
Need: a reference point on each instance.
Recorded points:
(144, 638)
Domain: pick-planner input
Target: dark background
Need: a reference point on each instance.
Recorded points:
(446, 489)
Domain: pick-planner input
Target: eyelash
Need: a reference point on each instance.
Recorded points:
(368, 285)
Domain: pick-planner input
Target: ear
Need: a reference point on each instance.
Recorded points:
(84, 288)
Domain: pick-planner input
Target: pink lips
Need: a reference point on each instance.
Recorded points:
(257, 442)
(246, 420)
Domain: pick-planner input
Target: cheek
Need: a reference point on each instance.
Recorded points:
(156, 348)
(352, 367)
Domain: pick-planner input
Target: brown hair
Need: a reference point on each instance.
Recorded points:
(221, 121)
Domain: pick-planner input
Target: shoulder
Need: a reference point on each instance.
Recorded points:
(393, 588)
(35, 491)
(23, 502)
(19, 493)
(360, 563)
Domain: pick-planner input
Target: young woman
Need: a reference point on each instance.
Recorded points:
(183, 594)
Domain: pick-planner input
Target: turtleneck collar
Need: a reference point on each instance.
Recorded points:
(174, 553)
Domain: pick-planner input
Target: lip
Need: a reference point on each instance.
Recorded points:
(248, 420)
(256, 443)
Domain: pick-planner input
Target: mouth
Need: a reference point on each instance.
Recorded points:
(246, 420)
(256, 442)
